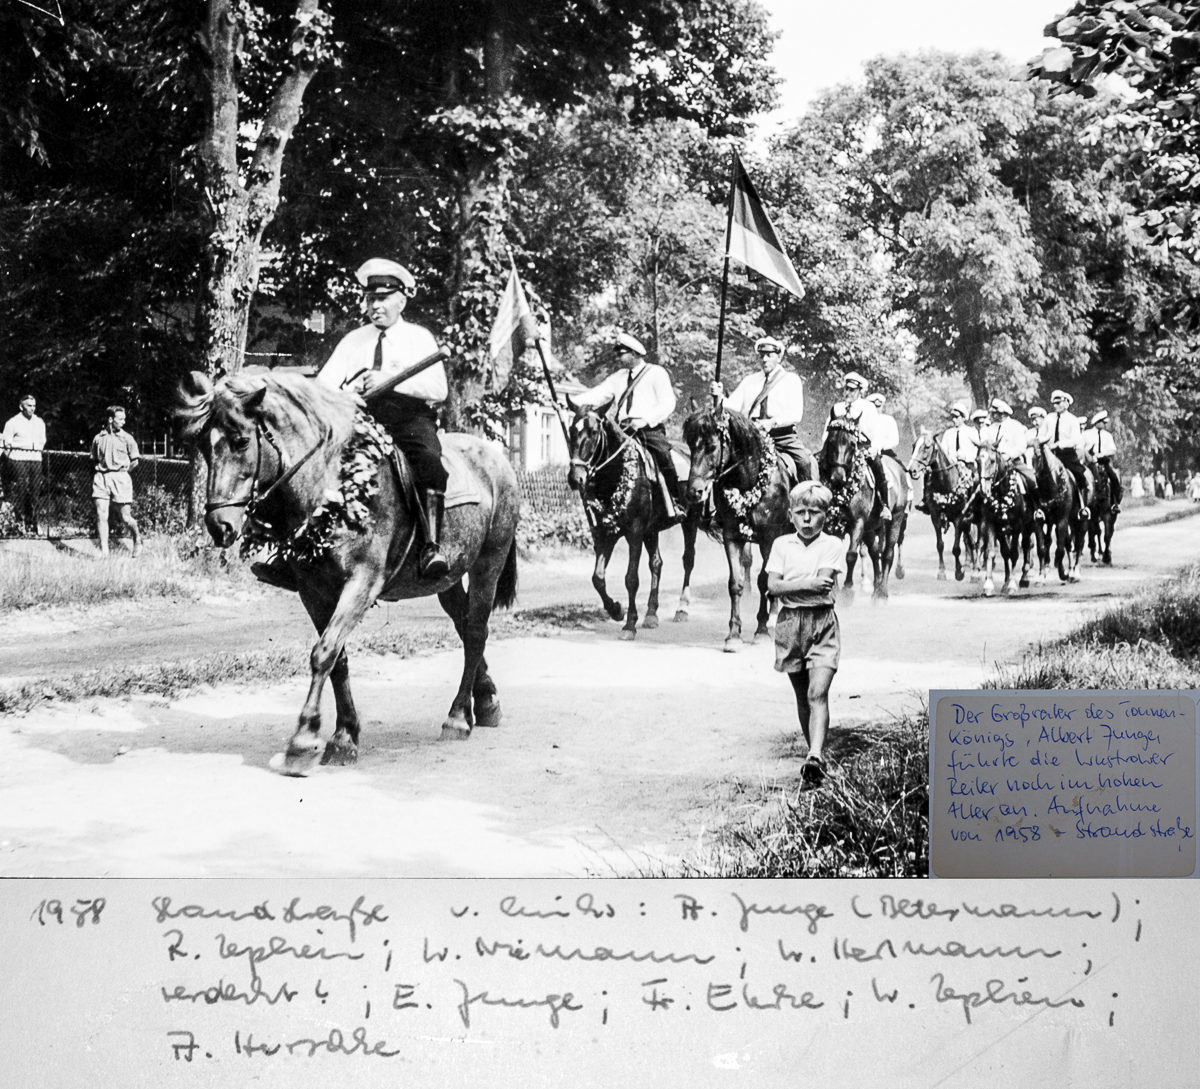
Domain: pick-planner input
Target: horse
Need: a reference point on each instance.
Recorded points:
(953, 500)
(1104, 518)
(609, 472)
(1008, 515)
(1059, 499)
(296, 463)
(737, 462)
(843, 467)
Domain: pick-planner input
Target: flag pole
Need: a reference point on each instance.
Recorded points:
(725, 270)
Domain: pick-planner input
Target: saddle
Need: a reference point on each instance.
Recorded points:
(461, 487)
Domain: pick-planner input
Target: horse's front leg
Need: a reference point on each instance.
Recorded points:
(764, 602)
(881, 561)
(1009, 545)
(629, 631)
(1026, 548)
(987, 552)
(305, 748)
(475, 683)
(342, 748)
(654, 553)
(690, 529)
(856, 538)
(733, 554)
(604, 545)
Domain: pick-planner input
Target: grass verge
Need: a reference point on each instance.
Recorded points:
(169, 567)
(168, 679)
(870, 819)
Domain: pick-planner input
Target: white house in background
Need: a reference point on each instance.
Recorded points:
(535, 439)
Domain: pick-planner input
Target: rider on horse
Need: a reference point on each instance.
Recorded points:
(1011, 440)
(959, 443)
(1099, 442)
(1061, 432)
(866, 416)
(369, 355)
(643, 398)
(773, 397)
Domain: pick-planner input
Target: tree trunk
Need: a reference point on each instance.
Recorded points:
(241, 210)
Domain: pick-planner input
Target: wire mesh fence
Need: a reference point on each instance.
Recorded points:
(55, 498)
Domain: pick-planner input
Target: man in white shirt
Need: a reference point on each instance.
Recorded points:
(1099, 442)
(889, 430)
(1036, 415)
(774, 396)
(23, 440)
(866, 415)
(367, 356)
(959, 441)
(642, 398)
(1010, 439)
(1061, 433)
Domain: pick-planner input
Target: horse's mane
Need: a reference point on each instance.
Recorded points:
(286, 396)
(744, 438)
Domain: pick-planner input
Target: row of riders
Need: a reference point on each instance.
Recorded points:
(297, 465)
(1011, 488)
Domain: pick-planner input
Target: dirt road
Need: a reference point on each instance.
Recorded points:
(609, 759)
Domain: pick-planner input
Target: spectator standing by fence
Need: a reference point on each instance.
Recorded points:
(23, 440)
(114, 453)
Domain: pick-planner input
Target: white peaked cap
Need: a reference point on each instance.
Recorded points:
(877, 398)
(1101, 415)
(1037, 410)
(1062, 395)
(380, 272)
(1000, 405)
(630, 343)
(767, 342)
(959, 407)
(854, 376)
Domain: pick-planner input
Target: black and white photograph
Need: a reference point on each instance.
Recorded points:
(553, 441)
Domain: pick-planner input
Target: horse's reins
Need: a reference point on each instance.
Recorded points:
(251, 500)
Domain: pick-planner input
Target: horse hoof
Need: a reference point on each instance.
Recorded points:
(455, 728)
(941, 576)
(615, 612)
(651, 621)
(899, 572)
(1108, 559)
(487, 715)
(988, 589)
(681, 616)
(959, 576)
(758, 635)
(732, 645)
(341, 754)
(297, 761)
(1024, 584)
(628, 634)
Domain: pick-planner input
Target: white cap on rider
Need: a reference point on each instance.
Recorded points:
(1001, 406)
(979, 415)
(1037, 412)
(856, 379)
(629, 343)
(959, 408)
(767, 344)
(1061, 395)
(877, 399)
(379, 276)
(1101, 415)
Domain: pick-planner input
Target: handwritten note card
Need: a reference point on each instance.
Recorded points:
(1063, 784)
(145, 984)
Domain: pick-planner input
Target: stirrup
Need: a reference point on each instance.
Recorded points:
(432, 564)
(1085, 512)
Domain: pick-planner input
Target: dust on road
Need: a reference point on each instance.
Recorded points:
(609, 760)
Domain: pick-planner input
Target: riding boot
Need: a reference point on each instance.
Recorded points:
(433, 564)
(923, 506)
(881, 488)
(1114, 487)
(1085, 494)
(274, 572)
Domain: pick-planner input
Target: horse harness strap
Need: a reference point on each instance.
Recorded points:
(760, 402)
(261, 430)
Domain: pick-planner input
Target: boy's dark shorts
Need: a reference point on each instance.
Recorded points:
(807, 639)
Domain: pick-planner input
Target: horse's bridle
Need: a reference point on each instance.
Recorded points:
(261, 430)
(586, 465)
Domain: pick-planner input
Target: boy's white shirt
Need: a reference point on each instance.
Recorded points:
(791, 558)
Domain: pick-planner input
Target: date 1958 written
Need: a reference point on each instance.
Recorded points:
(54, 910)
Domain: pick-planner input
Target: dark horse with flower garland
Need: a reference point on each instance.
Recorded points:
(301, 467)
(735, 458)
(616, 480)
(855, 513)
(953, 500)
(1008, 519)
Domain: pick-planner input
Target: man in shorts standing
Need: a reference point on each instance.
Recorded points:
(114, 454)
(802, 571)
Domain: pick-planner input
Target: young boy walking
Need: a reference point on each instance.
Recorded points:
(802, 571)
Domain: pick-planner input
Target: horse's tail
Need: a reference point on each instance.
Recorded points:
(506, 587)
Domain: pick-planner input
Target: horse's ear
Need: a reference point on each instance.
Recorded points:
(571, 404)
(252, 405)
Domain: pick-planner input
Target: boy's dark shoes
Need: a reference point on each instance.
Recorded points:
(813, 772)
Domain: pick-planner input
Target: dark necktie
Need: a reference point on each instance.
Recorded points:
(1057, 424)
(626, 401)
(378, 364)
